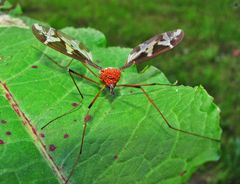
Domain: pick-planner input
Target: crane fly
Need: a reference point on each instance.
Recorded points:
(110, 76)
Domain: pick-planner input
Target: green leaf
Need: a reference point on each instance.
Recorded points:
(19, 155)
(127, 140)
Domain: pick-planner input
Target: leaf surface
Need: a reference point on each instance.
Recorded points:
(21, 161)
(127, 140)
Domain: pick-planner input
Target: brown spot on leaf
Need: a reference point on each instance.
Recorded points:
(52, 147)
(8, 133)
(34, 66)
(75, 104)
(66, 136)
(34, 130)
(1, 141)
(3, 121)
(87, 118)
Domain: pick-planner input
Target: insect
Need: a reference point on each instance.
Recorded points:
(110, 76)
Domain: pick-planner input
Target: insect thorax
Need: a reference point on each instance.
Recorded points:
(110, 76)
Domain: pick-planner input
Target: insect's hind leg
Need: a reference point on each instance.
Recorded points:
(160, 112)
(151, 84)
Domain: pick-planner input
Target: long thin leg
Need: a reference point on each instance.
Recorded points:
(71, 72)
(83, 134)
(80, 75)
(151, 84)
(52, 60)
(90, 70)
(166, 121)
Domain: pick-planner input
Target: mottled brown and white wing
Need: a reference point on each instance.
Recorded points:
(154, 46)
(63, 43)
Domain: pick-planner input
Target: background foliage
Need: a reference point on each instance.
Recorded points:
(209, 54)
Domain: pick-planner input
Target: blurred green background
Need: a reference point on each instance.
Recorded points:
(209, 54)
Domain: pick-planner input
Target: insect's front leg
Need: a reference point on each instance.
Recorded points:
(72, 73)
(76, 107)
(83, 133)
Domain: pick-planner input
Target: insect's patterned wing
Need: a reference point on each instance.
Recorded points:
(154, 46)
(63, 43)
